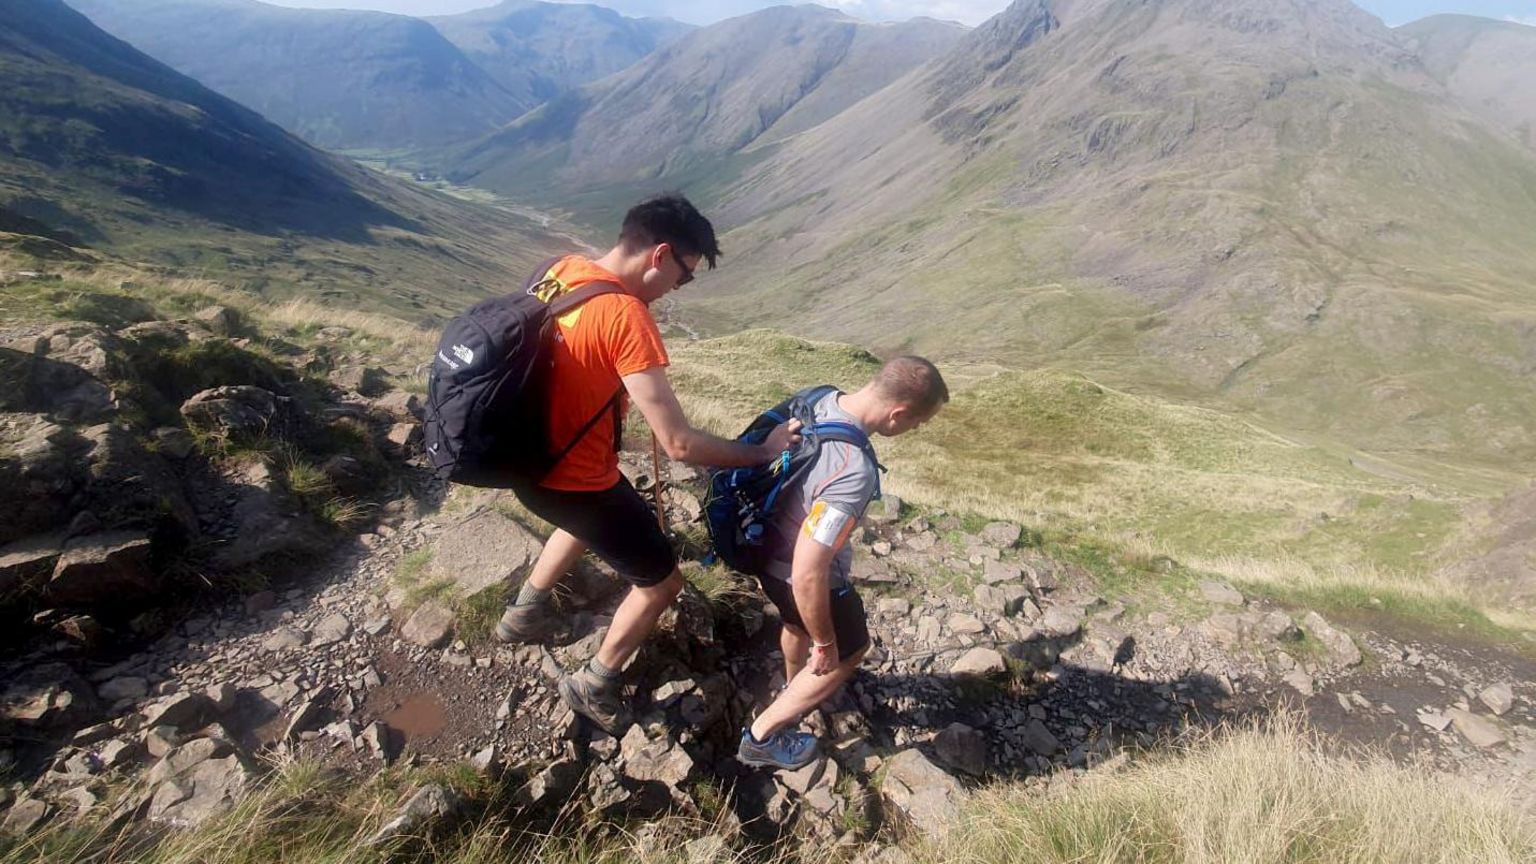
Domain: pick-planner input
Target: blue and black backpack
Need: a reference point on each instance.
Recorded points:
(741, 502)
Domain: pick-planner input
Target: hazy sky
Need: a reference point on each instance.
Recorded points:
(1393, 12)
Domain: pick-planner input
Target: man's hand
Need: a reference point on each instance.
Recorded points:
(784, 436)
(823, 659)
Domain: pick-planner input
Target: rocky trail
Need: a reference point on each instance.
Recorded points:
(992, 659)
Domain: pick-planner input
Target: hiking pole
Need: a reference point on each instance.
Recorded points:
(661, 511)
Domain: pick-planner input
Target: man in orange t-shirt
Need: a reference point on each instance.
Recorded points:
(609, 351)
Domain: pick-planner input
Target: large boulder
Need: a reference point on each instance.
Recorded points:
(268, 525)
(26, 564)
(240, 411)
(197, 781)
(927, 798)
(100, 569)
(127, 486)
(39, 474)
(63, 372)
(485, 550)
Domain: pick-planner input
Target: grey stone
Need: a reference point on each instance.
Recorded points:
(222, 696)
(1040, 740)
(364, 380)
(285, 639)
(331, 629)
(979, 661)
(1221, 594)
(654, 759)
(49, 696)
(430, 804)
(240, 411)
(404, 437)
(966, 624)
(995, 572)
(1341, 648)
(894, 606)
(962, 748)
(1060, 622)
(102, 568)
(1479, 731)
(553, 785)
(307, 717)
(220, 320)
(487, 762)
(483, 551)
(1300, 681)
(24, 815)
(1277, 627)
(119, 753)
(26, 564)
(927, 797)
(183, 710)
(429, 626)
(399, 404)
(208, 788)
(1498, 697)
(1001, 535)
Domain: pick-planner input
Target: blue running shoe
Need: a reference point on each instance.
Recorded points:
(783, 749)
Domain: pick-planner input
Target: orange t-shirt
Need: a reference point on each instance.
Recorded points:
(596, 344)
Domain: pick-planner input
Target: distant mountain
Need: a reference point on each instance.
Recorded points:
(538, 50)
(339, 79)
(1490, 65)
(719, 91)
(1270, 207)
(102, 146)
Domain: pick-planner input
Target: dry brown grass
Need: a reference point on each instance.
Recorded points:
(1270, 794)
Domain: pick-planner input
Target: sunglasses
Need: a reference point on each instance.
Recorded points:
(687, 272)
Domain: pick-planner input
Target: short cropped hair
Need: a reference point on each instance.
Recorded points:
(670, 219)
(912, 381)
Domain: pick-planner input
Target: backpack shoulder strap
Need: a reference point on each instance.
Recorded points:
(566, 302)
(540, 274)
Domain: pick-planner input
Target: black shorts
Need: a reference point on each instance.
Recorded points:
(616, 524)
(848, 624)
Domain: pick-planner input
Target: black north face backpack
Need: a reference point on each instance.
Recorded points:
(486, 393)
(741, 503)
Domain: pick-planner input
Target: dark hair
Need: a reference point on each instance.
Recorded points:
(672, 219)
(914, 382)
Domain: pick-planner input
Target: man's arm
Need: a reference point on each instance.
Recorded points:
(653, 395)
(811, 582)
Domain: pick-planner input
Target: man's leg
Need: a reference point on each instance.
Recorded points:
(796, 645)
(529, 618)
(805, 691)
(595, 691)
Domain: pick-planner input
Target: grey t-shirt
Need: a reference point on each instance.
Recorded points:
(828, 505)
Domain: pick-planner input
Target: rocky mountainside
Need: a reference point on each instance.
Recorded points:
(337, 78)
(101, 146)
(1488, 64)
(1272, 208)
(537, 50)
(723, 90)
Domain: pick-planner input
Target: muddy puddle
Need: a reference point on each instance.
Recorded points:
(417, 716)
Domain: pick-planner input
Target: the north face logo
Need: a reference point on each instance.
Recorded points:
(465, 354)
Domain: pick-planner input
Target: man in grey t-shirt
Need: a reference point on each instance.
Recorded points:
(825, 636)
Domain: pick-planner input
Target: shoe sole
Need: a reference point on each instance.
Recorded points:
(567, 695)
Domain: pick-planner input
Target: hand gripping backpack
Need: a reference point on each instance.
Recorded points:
(484, 422)
(741, 502)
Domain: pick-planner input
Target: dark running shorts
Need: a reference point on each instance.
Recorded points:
(848, 623)
(616, 524)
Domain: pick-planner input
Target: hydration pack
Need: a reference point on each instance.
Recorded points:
(485, 420)
(741, 503)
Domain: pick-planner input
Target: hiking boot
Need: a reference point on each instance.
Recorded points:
(784, 749)
(530, 622)
(594, 699)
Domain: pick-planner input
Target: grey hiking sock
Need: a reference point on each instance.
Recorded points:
(530, 595)
(603, 673)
